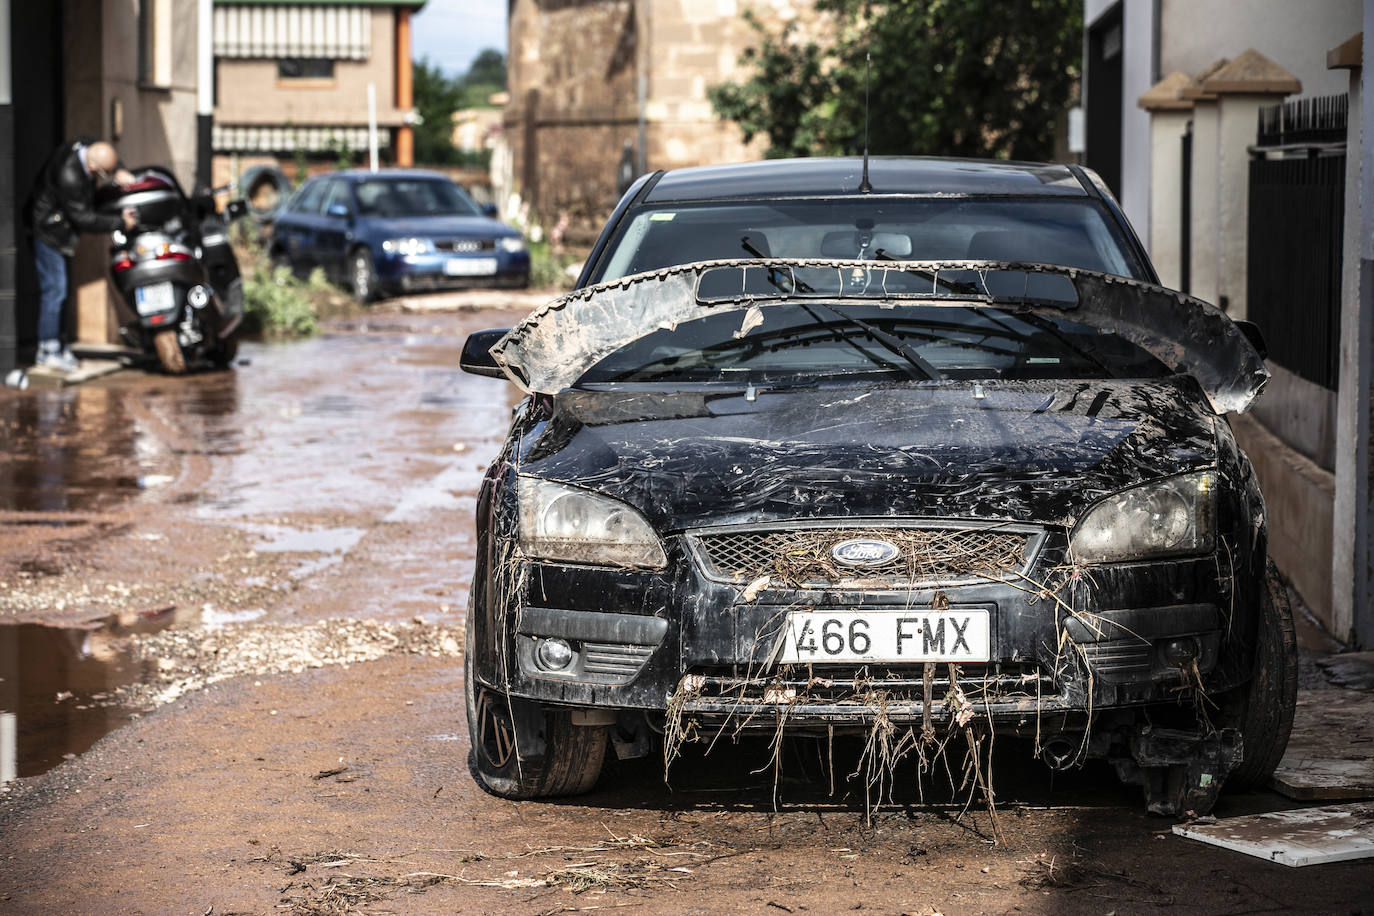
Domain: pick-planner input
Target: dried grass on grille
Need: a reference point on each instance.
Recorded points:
(803, 556)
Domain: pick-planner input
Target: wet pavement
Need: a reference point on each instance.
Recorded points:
(231, 681)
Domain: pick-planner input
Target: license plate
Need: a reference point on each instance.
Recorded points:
(886, 636)
(470, 267)
(156, 297)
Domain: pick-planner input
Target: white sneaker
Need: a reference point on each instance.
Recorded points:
(53, 355)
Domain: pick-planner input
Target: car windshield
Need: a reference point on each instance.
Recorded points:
(797, 342)
(413, 197)
(1071, 233)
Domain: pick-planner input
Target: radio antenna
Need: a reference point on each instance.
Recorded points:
(864, 186)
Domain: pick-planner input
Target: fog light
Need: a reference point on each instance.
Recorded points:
(198, 296)
(1179, 652)
(554, 654)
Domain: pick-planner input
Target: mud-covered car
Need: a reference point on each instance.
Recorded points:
(936, 458)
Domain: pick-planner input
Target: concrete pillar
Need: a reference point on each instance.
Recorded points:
(1169, 117)
(1352, 562)
(8, 210)
(1202, 280)
(1241, 87)
(405, 97)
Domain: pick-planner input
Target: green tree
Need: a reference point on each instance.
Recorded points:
(949, 78)
(437, 97)
(486, 76)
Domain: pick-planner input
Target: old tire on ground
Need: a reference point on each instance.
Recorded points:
(523, 750)
(169, 352)
(363, 275)
(1263, 709)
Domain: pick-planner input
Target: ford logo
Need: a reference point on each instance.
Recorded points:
(864, 552)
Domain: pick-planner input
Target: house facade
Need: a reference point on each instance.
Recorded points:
(1230, 130)
(303, 77)
(126, 71)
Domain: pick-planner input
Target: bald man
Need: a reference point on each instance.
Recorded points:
(61, 205)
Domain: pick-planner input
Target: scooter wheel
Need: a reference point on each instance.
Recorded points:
(224, 354)
(169, 352)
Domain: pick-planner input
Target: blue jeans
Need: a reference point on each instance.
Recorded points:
(52, 285)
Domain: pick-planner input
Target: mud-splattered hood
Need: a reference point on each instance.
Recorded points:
(552, 348)
(1025, 452)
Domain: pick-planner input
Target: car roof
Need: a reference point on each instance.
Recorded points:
(835, 177)
(364, 174)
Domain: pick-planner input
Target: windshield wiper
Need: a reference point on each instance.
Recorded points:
(798, 286)
(890, 342)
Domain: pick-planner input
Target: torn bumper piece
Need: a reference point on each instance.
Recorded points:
(1179, 771)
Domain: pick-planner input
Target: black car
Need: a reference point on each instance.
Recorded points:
(396, 231)
(938, 458)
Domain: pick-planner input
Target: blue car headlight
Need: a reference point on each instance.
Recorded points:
(512, 243)
(408, 247)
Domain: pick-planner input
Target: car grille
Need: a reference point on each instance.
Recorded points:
(464, 246)
(800, 557)
(617, 661)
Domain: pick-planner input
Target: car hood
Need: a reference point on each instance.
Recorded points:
(1031, 452)
(555, 346)
(439, 227)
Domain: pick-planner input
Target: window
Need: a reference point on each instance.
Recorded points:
(310, 199)
(413, 197)
(305, 68)
(155, 43)
(339, 196)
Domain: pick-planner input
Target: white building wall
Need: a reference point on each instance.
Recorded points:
(1295, 34)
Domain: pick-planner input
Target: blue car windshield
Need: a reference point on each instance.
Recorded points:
(800, 342)
(1070, 233)
(387, 197)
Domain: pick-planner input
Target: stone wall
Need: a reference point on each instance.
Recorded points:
(574, 80)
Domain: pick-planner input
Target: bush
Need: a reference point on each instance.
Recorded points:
(279, 305)
(548, 270)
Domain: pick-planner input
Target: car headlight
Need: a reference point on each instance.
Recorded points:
(559, 522)
(1172, 517)
(512, 243)
(407, 246)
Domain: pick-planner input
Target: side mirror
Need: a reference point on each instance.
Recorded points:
(1252, 333)
(476, 356)
(340, 211)
(489, 210)
(236, 209)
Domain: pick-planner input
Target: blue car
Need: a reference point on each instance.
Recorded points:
(397, 231)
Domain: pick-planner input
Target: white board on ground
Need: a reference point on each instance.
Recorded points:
(1306, 836)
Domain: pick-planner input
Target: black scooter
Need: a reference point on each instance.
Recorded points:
(176, 272)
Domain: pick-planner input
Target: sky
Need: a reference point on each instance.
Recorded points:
(452, 32)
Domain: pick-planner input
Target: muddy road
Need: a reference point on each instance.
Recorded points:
(232, 683)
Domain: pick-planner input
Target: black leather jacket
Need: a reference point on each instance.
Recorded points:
(62, 202)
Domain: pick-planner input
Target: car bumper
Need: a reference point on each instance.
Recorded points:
(502, 269)
(1136, 634)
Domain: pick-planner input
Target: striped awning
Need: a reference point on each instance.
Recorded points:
(334, 32)
(230, 138)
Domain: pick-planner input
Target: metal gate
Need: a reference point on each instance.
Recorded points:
(1295, 235)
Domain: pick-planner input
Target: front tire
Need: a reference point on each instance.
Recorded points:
(364, 276)
(225, 354)
(1263, 709)
(169, 352)
(521, 749)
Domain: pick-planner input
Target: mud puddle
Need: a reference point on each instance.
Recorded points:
(58, 689)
